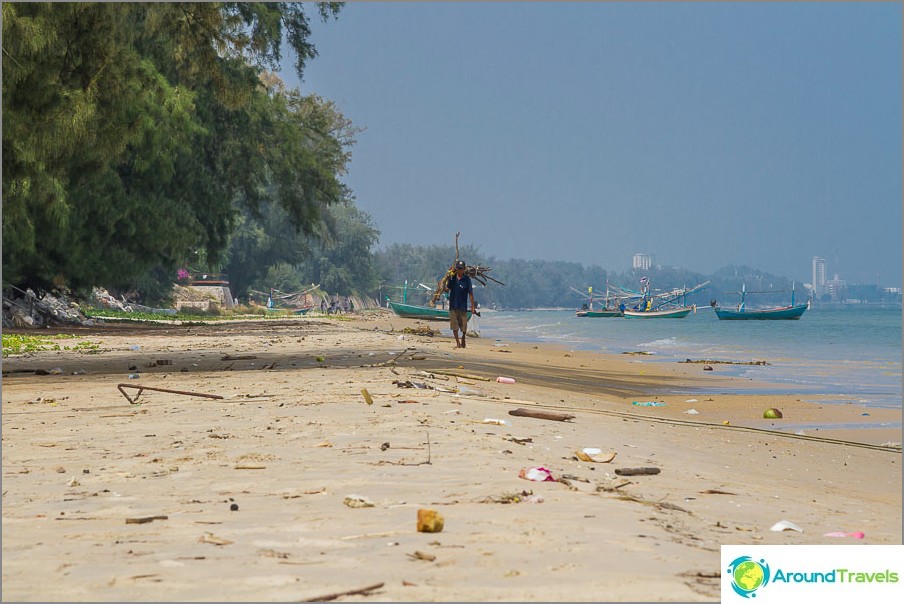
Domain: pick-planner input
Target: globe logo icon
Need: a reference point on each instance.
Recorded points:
(748, 575)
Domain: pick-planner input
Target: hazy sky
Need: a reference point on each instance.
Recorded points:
(704, 133)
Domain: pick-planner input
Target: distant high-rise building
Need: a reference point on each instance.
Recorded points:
(819, 275)
(642, 261)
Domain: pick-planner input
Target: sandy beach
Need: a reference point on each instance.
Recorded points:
(292, 487)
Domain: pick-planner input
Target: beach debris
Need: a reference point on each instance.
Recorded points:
(505, 380)
(209, 537)
(320, 359)
(467, 376)
(141, 389)
(692, 412)
(410, 402)
(366, 395)
(551, 415)
(496, 422)
(707, 368)
(417, 555)
(716, 362)
(645, 471)
(691, 400)
(855, 535)
(247, 466)
(716, 492)
(323, 443)
(410, 384)
(384, 446)
(470, 391)
(358, 501)
(726, 423)
(145, 519)
(228, 357)
(233, 507)
(523, 496)
(134, 376)
(785, 525)
(429, 521)
(648, 404)
(364, 591)
(536, 474)
(595, 455)
(772, 413)
(421, 330)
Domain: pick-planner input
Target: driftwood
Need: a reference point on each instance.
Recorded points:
(352, 592)
(558, 417)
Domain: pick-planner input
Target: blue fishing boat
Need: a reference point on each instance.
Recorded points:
(742, 313)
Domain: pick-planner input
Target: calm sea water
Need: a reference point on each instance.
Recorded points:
(839, 351)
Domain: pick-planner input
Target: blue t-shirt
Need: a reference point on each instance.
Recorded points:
(458, 292)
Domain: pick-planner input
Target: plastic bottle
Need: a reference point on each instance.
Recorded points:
(505, 380)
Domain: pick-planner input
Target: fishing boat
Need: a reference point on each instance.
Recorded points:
(610, 309)
(742, 313)
(415, 311)
(664, 305)
(418, 311)
(670, 313)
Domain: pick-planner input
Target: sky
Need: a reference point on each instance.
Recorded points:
(706, 134)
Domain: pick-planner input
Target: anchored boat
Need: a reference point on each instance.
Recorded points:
(742, 313)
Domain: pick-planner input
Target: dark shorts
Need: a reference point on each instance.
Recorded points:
(458, 320)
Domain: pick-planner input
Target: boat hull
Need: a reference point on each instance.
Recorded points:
(412, 311)
(594, 314)
(674, 313)
(784, 313)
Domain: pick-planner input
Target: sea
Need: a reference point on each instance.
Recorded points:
(853, 354)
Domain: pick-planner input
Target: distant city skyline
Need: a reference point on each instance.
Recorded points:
(706, 134)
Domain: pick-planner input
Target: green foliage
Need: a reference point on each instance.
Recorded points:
(266, 252)
(135, 132)
(22, 344)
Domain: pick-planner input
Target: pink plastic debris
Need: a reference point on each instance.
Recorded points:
(855, 535)
(536, 475)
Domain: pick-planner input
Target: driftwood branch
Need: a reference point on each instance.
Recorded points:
(352, 592)
(558, 417)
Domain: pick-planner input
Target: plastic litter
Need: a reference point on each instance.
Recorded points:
(497, 422)
(134, 376)
(366, 395)
(595, 455)
(855, 535)
(692, 412)
(536, 475)
(784, 525)
(505, 380)
(429, 521)
(358, 501)
(648, 404)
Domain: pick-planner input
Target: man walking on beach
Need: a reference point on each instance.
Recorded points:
(460, 291)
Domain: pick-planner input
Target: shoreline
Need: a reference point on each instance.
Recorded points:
(244, 498)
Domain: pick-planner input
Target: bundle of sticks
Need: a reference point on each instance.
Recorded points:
(476, 272)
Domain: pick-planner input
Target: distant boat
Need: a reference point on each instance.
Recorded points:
(742, 313)
(610, 309)
(663, 306)
(671, 313)
(414, 311)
